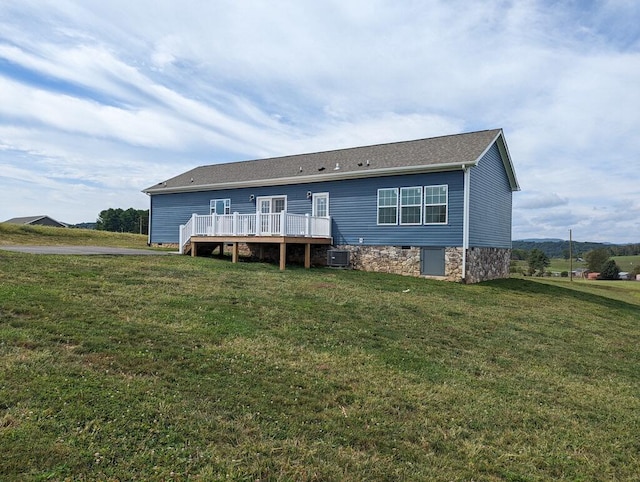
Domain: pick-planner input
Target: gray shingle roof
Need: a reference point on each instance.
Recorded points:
(34, 220)
(437, 153)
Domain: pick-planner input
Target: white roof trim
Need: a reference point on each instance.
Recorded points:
(506, 159)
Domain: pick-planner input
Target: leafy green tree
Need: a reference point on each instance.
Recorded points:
(537, 261)
(109, 220)
(609, 270)
(596, 259)
(121, 221)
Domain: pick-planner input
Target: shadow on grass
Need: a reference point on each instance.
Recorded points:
(526, 286)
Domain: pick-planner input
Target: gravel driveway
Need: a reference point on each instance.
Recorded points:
(83, 250)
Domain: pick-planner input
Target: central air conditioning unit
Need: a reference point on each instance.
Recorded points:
(338, 258)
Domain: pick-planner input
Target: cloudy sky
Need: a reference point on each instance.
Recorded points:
(100, 99)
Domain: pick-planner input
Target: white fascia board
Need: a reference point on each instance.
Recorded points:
(331, 176)
(506, 159)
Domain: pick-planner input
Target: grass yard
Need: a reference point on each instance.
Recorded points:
(627, 263)
(627, 291)
(558, 265)
(15, 234)
(175, 367)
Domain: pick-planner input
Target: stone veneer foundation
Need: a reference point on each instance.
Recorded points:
(483, 264)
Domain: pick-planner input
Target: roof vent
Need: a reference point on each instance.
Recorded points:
(191, 179)
(321, 168)
(367, 162)
(337, 168)
(360, 164)
(300, 168)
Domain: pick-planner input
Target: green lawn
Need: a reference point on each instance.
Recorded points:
(11, 234)
(175, 367)
(558, 265)
(627, 291)
(627, 263)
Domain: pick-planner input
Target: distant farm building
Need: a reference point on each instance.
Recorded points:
(37, 221)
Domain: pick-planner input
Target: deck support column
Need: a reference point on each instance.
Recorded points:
(194, 249)
(234, 253)
(283, 256)
(307, 255)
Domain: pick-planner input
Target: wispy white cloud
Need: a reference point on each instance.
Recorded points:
(111, 97)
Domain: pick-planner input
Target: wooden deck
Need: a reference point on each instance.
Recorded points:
(220, 241)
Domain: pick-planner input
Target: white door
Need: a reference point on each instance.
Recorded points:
(268, 207)
(321, 205)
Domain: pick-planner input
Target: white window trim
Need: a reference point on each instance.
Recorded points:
(420, 205)
(227, 204)
(316, 195)
(445, 204)
(397, 191)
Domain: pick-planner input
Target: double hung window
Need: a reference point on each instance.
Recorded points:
(388, 206)
(411, 205)
(435, 204)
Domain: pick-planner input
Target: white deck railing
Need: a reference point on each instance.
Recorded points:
(274, 224)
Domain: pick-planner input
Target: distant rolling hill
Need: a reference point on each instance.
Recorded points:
(558, 248)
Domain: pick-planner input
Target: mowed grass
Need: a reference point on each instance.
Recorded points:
(621, 290)
(161, 368)
(15, 234)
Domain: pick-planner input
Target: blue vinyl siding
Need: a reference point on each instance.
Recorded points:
(490, 203)
(352, 207)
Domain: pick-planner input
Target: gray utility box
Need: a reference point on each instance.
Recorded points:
(338, 258)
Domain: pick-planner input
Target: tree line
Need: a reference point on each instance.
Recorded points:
(598, 261)
(124, 220)
(560, 249)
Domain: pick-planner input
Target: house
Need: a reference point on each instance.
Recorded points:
(438, 207)
(37, 221)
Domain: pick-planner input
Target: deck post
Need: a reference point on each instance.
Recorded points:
(283, 224)
(193, 224)
(234, 253)
(181, 246)
(307, 225)
(307, 255)
(234, 226)
(283, 255)
(194, 249)
(258, 224)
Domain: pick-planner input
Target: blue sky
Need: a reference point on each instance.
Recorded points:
(99, 100)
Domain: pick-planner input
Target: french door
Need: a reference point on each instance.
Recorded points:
(269, 209)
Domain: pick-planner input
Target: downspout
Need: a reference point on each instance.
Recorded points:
(149, 224)
(465, 221)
